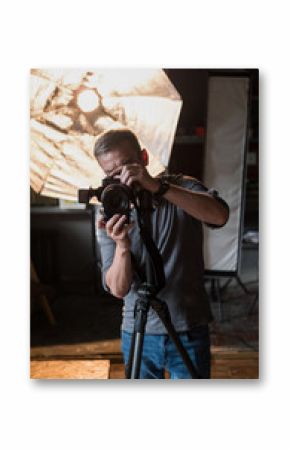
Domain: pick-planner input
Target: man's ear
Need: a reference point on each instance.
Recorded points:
(145, 157)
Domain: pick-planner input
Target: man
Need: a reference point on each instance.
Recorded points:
(181, 204)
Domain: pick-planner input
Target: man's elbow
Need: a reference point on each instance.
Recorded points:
(223, 216)
(118, 293)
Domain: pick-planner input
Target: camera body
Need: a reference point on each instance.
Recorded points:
(116, 198)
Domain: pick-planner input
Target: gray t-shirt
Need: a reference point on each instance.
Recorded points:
(179, 239)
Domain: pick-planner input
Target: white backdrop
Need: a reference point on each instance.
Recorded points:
(224, 165)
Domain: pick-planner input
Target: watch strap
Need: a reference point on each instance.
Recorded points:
(164, 186)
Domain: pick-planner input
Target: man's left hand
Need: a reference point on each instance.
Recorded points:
(137, 173)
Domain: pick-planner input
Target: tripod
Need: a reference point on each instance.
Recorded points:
(143, 303)
(154, 281)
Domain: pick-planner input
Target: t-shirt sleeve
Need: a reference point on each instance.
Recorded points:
(106, 250)
(197, 186)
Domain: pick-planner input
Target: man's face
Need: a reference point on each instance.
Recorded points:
(123, 154)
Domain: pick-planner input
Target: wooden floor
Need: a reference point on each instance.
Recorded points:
(103, 360)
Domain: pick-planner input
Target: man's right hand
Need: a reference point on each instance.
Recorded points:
(117, 230)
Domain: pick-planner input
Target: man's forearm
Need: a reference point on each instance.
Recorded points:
(119, 275)
(199, 205)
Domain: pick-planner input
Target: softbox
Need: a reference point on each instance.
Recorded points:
(224, 167)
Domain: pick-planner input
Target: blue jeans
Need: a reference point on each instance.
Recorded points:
(160, 353)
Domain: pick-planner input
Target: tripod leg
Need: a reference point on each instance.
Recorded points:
(213, 290)
(219, 299)
(128, 368)
(162, 311)
(216, 295)
(136, 348)
(253, 305)
(242, 285)
(225, 286)
(136, 362)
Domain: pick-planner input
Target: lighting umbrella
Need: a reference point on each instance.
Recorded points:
(69, 108)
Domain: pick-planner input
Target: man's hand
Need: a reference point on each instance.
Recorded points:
(136, 173)
(117, 229)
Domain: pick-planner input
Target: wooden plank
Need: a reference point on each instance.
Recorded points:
(235, 355)
(94, 348)
(114, 347)
(69, 369)
(117, 371)
(235, 369)
(78, 350)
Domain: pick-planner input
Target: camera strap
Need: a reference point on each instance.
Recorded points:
(152, 250)
(137, 269)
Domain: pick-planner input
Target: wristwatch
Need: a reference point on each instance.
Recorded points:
(164, 186)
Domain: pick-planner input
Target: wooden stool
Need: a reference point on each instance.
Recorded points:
(40, 294)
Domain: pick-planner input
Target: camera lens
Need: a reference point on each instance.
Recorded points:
(116, 199)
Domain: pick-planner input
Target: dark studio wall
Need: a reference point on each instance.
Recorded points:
(62, 247)
(192, 86)
(187, 154)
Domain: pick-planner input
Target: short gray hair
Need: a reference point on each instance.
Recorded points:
(114, 137)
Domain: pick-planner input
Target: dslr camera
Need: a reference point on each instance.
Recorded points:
(116, 198)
